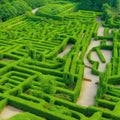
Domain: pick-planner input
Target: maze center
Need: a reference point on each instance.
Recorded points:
(58, 63)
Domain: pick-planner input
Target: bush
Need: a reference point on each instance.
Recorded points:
(107, 14)
(47, 84)
(60, 109)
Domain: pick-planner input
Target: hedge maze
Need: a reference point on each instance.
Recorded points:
(35, 79)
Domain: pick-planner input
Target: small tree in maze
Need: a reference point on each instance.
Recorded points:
(47, 83)
(107, 14)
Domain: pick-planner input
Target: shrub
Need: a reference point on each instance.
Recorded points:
(2, 104)
(60, 109)
(107, 14)
(47, 84)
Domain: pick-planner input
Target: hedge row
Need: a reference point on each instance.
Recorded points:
(97, 49)
(26, 115)
(33, 77)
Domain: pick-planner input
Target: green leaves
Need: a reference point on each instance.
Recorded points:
(47, 84)
(7, 11)
(13, 9)
(35, 3)
(21, 6)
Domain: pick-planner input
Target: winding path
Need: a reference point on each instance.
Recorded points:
(90, 82)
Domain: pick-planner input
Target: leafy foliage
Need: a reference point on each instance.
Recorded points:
(47, 84)
(35, 3)
(97, 4)
(32, 76)
(21, 6)
(7, 11)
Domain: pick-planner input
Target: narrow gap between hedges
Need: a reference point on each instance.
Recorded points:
(34, 10)
(90, 81)
(66, 50)
(8, 112)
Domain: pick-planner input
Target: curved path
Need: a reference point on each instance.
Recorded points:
(90, 82)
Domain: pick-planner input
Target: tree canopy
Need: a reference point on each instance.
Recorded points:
(98, 4)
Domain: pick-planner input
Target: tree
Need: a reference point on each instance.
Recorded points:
(117, 4)
(47, 84)
(21, 6)
(107, 14)
(7, 11)
(86, 4)
(98, 5)
(109, 2)
(35, 3)
(3, 1)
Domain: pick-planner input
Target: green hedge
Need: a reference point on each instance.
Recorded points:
(27, 116)
(102, 88)
(78, 86)
(55, 17)
(100, 55)
(21, 6)
(3, 103)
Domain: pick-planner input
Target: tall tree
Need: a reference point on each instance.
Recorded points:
(98, 5)
(110, 2)
(7, 11)
(107, 14)
(117, 4)
(21, 6)
(86, 4)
